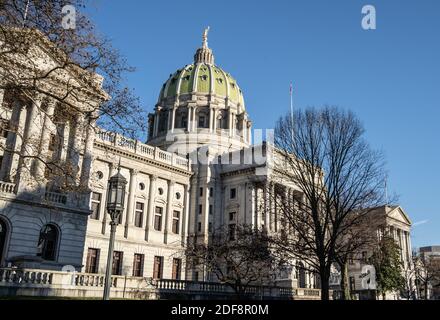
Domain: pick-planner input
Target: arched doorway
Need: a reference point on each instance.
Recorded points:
(3, 237)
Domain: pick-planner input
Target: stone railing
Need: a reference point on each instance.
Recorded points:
(55, 197)
(23, 277)
(7, 187)
(142, 149)
(214, 287)
(37, 282)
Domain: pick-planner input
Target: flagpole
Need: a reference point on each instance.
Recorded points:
(386, 191)
(25, 13)
(291, 110)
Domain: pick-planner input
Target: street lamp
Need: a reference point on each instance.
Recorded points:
(115, 207)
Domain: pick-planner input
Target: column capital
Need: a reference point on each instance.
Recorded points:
(153, 177)
(134, 172)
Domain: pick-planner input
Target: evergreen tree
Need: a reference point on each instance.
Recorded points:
(386, 260)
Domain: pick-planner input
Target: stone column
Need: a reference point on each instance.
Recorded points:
(131, 201)
(169, 210)
(267, 206)
(408, 244)
(214, 124)
(150, 211)
(185, 214)
(254, 205)
(65, 141)
(155, 124)
(243, 129)
(194, 122)
(88, 155)
(173, 119)
(230, 122)
(211, 125)
(40, 164)
(29, 149)
(188, 121)
(74, 152)
(14, 140)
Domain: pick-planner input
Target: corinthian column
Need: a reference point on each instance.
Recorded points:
(40, 164)
(88, 154)
(29, 150)
(130, 202)
(13, 142)
(150, 211)
(169, 212)
(75, 137)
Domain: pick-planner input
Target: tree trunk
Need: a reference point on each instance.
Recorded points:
(426, 290)
(345, 288)
(325, 288)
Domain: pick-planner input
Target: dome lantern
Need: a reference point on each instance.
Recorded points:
(204, 54)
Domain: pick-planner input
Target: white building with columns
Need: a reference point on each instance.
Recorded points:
(197, 171)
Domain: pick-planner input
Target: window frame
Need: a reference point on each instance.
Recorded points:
(158, 217)
(98, 202)
(139, 214)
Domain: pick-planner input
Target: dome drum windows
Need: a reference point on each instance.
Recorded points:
(203, 118)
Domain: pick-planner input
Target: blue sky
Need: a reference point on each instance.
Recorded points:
(390, 77)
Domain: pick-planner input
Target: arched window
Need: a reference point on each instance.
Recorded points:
(47, 243)
(3, 237)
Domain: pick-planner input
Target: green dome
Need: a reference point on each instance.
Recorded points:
(202, 78)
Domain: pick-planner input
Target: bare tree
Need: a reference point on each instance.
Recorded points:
(427, 272)
(323, 154)
(239, 257)
(44, 52)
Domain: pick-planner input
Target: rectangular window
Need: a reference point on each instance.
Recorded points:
(231, 216)
(158, 219)
(176, 222)
(200, 209)
(350, 259)
(233, 193)
(199, 227)
(52, 142)
(138, 265)
(210, 227)
(4, 127)
(211, 192)
(139, 214)
(232, 231)
(201, 192)
(117, 262)
(177, 268)
(210, 209)
(201, 122)
(158, 267)
(352, 284)
(96, 206)
(92, 260)
(364, 256)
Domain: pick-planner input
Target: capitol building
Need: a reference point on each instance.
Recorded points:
(197, 171)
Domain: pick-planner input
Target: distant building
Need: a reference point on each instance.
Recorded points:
(394, 221)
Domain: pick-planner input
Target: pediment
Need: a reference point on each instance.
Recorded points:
(399, 214)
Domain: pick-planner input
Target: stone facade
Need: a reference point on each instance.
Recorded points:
(197, 172)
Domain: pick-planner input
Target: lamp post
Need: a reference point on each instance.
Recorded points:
(115, 206)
